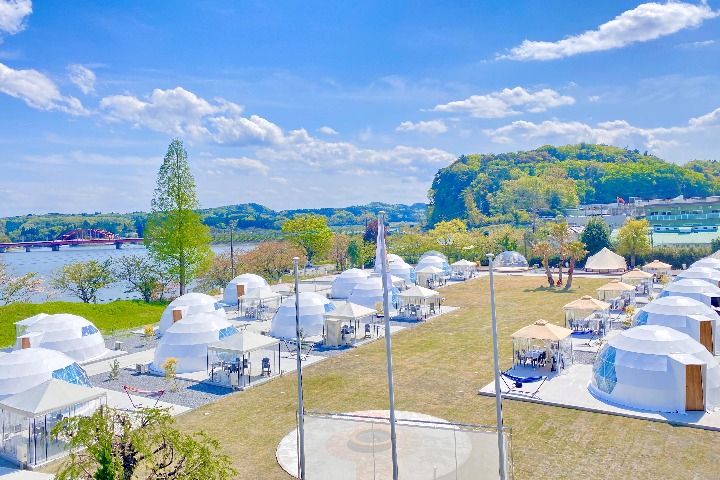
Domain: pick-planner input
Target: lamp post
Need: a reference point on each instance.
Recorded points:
(496, 361)
(301, 408)
(233, 224)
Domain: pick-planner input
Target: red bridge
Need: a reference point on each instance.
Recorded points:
(74, 237)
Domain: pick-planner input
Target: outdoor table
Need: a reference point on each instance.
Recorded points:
(533, 356)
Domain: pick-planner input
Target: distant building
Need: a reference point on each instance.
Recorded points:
(613, 214)
(682, 221)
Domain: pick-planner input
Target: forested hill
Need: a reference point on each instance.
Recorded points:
(249, 216)
(480, 188)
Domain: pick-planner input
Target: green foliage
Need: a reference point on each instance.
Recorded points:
(18, 288)
(116, 445)
(309, 232)
(114, 372)
(360, 253)
(141, 276)
(118, 315)
(715, 244)
(675, 256)
(595, 235)
(175, 235)
(84, 279)
(476, 186)
(632, 239)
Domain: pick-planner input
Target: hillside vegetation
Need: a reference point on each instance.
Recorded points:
(470, 188)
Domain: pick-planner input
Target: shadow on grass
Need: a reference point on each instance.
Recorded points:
(211, 389)
(550, 289)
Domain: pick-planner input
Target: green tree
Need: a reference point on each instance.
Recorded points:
(595, 235)
(360, 253)
(116, 445)
(633, 239)
(545, 250)
(450, 234)
(18, 288)
(339, 250)
(175, 235)
(84, 279)
(309, 232)
(575, 251)
(271, 259)
(141, 276)
(559, 236)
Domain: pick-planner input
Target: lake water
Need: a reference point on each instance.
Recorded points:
(44, 262)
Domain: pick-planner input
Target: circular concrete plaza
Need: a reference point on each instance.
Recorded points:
(357, 446)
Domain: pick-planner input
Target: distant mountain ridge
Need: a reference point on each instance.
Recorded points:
(602, 173)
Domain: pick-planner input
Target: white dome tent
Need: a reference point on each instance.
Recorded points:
(190, 303)
(250, 281)
(658, 369)
(433, 253)
(685, 315)
(370, 291)
(707, 262)
(434, 261)
(694, 288)
(710, 275)
(313, 308)
(187, 341)
(510, 261)
(72, 335)
(405, 271)
(345, 282)
(23, 369)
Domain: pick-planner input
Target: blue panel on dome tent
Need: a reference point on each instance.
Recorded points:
(72, 374)
(604, 377)
(89, 330)
(329, 307)
(227, 331)
(664, 294)
(394, 293)
(413, 275)
(218, 305)
(641, 318)
(446, 269)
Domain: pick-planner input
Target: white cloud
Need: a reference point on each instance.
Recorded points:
(708, 120)
(12, 15)
(82, 77)
(327, 130)
(648, 21)
(704, 43)
(509, 101)
(242, 165)
(431, 126)
(594, 98)
(37, 91)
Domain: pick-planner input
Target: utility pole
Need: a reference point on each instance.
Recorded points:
(496, 360)
(301, 407)
(233, 224)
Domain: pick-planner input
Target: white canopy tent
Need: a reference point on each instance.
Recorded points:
(617, 289)
(344, 283)
(28, 417)
(543, 342)
(658, 268)
(249, 281)
(684, 314)
(260, 303)
(587, 312)
(370, 291)
(696, 289)
(418, 301)
(656, 368)
(187, 341)
(72, 335)
(605, 261)
(463, 269)
(709, 275)
(23, 369)
(313, 307)
(189, 304)
(335, 333)
(637, 277)
(434, 261)
(231, 361)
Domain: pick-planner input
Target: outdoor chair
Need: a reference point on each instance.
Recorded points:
(368, 333)
(265, 366)
(516, 383)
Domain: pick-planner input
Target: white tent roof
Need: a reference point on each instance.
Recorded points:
(644, 367)
(463, 263)
(616, 286)
(30, 320)
(51, 396)
(656, 265)
(72, 335)
(350, 311)
(708, 262)
(430, 270)
(21, 370)
(677, 305)
(605, 260)
(433, 253)
(402, 270)
(370, 291)
(191, 303)
(344, 283)
(418, 292)
(702, 273)
(692, 285)
(433, 261)
(250, 280)
(313, 307)
(243, 342)
(260, 294)
(187, 341)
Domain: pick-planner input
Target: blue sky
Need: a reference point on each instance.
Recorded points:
(311, 104)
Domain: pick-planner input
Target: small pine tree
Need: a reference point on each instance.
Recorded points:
(170, 369)
(115, 370)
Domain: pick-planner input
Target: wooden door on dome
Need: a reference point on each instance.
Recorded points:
(694, 395)
(706, 336)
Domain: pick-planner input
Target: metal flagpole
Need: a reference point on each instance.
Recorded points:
(388, 350)
(496, 359)
(301, 408)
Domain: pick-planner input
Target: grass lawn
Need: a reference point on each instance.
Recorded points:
(117, 315)
(439, 367)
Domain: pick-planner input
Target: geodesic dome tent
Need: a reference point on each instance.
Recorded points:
(23, 369)
(313, 308)
(250, 281)
(510, 261)
(707, 262)
(656, 368)
(187, 340)
(685, 315)
(370, 291)
(434, 261)
(405, 271)
(190, 303)
(345, 282)
(433, 253)
(72, 335)
(694, 288)
(709, 275)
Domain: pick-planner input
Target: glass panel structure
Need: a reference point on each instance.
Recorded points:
(604, 377)
(73, 373)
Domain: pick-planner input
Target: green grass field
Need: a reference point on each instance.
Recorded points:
(118, 315)
(439, 367)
